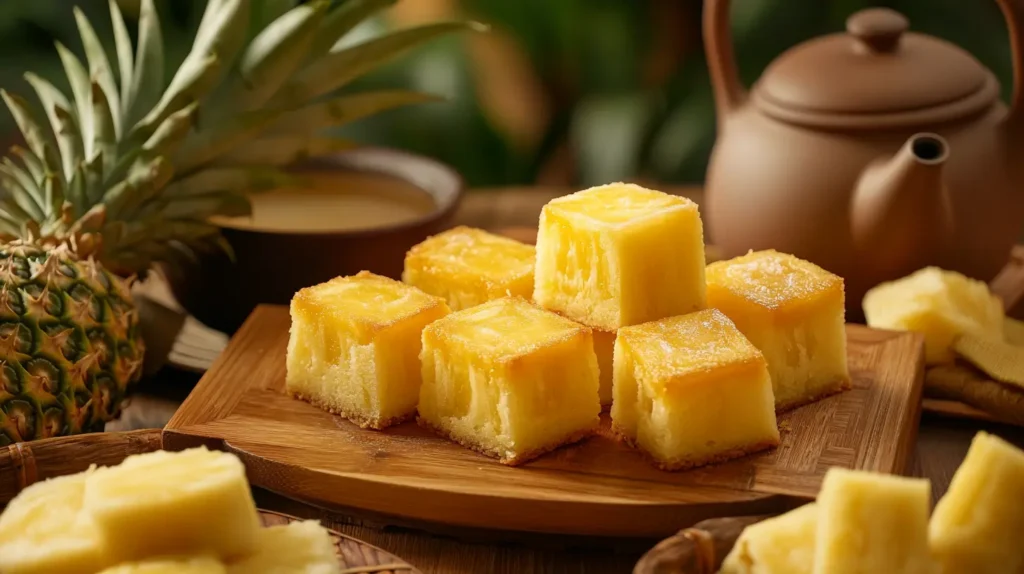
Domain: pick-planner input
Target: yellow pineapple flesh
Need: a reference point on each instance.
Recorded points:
(794, 312)
(197, 565)
(297, 548)
(976, 527)
(354, 347)
(42, 530)
(780, 545)
(871, 523)
(509, 379)
(619, 255)
(941, 305)
(194, 502)
(468, 266)
(692, 390)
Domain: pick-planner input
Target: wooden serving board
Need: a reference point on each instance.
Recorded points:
(598, 487)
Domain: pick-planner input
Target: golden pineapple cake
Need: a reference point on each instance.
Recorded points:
(468, 266)
(780, 545)
(691, 390)
(195, 565)
(977, 525)
(794, 312)
(871, 522)
(354, 347)
(604, 348)
(302, 547)
(618, 255)
(941, 305)
(42, 530)
(509, 380)
(188, 503)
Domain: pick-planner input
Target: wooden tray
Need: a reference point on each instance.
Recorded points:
(596, 488)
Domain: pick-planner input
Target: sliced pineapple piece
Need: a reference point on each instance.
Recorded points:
(297, 548)
(194, 502)
(619, 255)
(692, 390)
(468, 266)
(942, 305)
(780, 545)
(794, 312)
(509, 379)
(354, 347)
(197, 565)
(872, 523)
(42, 530)
(977, 526)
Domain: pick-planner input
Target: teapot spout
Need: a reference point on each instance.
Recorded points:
(901, 214)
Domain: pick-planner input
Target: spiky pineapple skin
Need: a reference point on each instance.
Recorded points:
(70, 343)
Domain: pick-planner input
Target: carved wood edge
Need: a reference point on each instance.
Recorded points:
(699, 549)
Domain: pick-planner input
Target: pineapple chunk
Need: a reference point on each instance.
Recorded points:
(691, 390)
(468, 266)
(871, 523)
(780, 545)
(194, 502)
(619, 255)
(42, 530)
(604, 348)
(977, 526)
(794, 312)
(942, 305)
(198, 565)
(509, 380)
(354, 347)
(297, 548)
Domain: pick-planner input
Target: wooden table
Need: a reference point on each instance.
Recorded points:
(941, 445)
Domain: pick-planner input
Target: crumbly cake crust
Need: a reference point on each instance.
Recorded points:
(834, 388)
(519, 458)
(357, 418)
(691, 463)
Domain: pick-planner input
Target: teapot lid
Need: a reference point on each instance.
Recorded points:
(877, 73)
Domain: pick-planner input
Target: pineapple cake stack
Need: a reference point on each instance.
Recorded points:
(128, 169)
(519, 348)
(866, 522)
(189, 512)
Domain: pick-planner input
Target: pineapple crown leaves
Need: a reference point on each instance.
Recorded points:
(130, 170)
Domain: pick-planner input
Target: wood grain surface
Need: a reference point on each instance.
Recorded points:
(599, 487)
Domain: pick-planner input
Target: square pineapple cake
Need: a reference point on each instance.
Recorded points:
(691, 390)
(354, 347)
(619, 255)
(794, 312)
(509, 380)
(468, 266)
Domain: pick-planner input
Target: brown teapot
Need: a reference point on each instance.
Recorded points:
(872, 153)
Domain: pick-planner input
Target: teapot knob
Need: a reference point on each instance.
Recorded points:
(877, 29)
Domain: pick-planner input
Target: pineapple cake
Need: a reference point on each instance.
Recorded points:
(468, 266)
(355, 344)
(794, 312)
(619, 255)
(604, 348)
(871, 522)
(691, 390)
(194, 502)
(298, 548)
(128, 169)
(780, 545)
(977, 525)
(941, 305)
(509, 380)
(42, 530)
(197, 565)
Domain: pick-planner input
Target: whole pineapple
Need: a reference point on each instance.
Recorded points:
(127, 171)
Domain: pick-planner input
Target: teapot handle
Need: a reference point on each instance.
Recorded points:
(718, 47)
(1013, 12)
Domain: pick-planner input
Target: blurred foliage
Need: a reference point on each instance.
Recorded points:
(606, 89)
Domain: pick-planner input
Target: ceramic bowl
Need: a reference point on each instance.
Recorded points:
(271, 265)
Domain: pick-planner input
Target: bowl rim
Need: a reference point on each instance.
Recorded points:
(447, 189)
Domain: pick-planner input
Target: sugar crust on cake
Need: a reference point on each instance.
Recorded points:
(518, 459)
(693, 462)
(357, 418)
